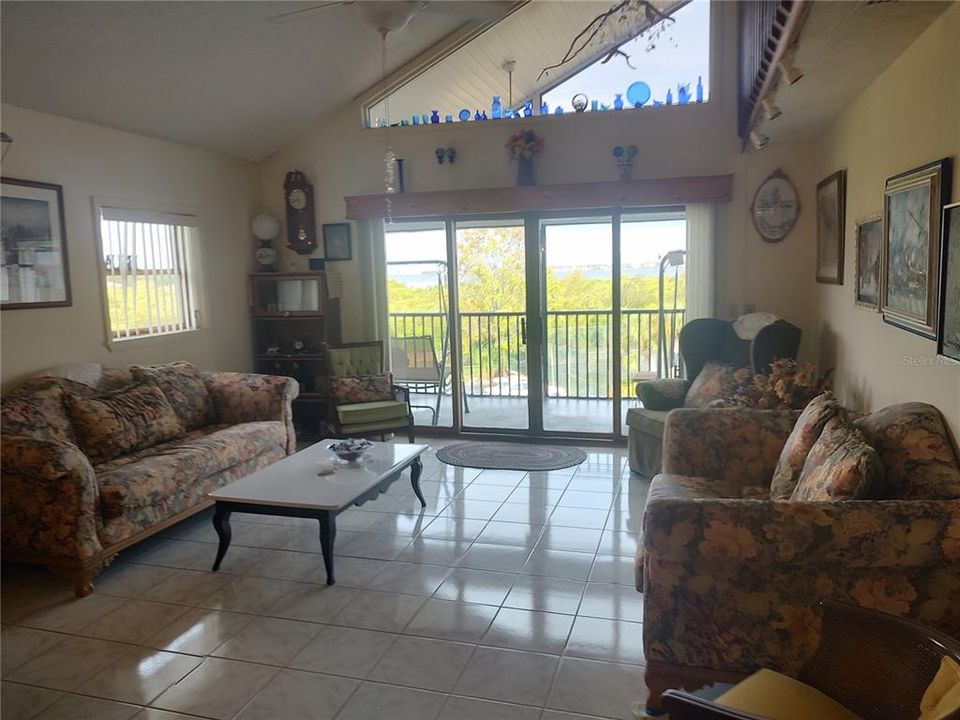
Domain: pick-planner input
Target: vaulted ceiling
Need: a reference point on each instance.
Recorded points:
(217, 75)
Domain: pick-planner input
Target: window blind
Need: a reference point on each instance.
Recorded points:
(146, 258)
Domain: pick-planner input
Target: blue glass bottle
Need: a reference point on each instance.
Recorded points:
(699, 89)
(559, 110)
(496, 108)
(669, 97)
(528, 108)
(448, 118)
(477, 116)
(435, 117)
(416, 119)
(618, 102)
(544, 109)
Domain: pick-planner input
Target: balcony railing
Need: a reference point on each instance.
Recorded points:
(578, 349)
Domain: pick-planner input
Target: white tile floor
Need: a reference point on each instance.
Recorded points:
(510, 597)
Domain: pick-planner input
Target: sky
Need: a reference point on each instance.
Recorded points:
(580, 245)
(682, 54)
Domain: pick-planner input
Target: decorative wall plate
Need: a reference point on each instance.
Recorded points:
(775, 207)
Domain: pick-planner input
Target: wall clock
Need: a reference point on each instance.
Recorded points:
(301, 222)
(775, 207)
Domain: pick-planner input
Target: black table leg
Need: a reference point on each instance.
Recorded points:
(328, 534)
(415, 469)
(221, 523)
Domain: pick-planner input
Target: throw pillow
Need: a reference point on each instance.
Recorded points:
(715, 382)
(121, 422)
(916, 450)
(942, 697)
(841, 465)
(184, 389)
(36, 410)
(804, 434)
(665, 394)
(369, 388)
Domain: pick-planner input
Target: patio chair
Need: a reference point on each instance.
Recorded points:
(366, 401)
(414, 363)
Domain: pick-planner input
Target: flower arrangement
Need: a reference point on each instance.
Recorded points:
(788, 386)
(524, 144)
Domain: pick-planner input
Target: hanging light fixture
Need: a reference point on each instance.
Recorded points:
(389, 156)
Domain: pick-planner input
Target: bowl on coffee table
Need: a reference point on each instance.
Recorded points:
(351, 449)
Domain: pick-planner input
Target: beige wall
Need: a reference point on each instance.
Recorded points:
(909, 116)
(88, 160)
(341, 158)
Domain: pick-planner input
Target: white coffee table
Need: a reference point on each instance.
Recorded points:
(292, 488)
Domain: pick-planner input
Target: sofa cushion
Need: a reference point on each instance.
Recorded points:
(841, 465)
(37, 410)
(804, 434)
(916, 451)
(714, 383)
(151, 475)
(120, 422)
(648, 422)
(184, 388)
(369, 388)
(370, 412)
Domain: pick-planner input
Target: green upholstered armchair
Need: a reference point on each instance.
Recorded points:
(366, 400)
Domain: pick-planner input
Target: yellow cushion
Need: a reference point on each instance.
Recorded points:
(778, 697)
(942, 698)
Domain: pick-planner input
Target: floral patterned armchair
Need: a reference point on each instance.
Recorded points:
(732, 580)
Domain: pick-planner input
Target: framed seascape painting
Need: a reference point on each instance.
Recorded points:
(911, 254)
(867, 276)
(831, 202)
(948, 338)
(34, 272)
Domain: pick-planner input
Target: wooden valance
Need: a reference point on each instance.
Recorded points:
(575, 196)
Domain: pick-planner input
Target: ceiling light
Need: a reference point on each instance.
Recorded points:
(789, 71)
(758, 139)
(770, 110)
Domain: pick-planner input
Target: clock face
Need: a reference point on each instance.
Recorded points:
(775, 208)
(297, 199)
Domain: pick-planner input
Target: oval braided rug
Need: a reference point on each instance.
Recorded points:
(511, 456)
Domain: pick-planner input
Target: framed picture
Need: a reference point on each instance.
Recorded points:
(948, 337)
(866, 288)
(831, 203)
(35, 272)
(336, 241)
(910, 272)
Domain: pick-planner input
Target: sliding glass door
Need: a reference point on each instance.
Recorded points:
(576, 281)
(534, 324)
(492, 312)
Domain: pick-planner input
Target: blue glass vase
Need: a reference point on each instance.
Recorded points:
(618, 102)
(496, 108)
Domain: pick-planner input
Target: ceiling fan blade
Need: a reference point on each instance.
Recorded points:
(295, 14)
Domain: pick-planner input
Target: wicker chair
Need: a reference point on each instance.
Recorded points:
(874, 664)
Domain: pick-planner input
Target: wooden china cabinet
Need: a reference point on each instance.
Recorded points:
(294, 320)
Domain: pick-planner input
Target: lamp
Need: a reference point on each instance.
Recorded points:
(789, 71)
(758, 139)
(265, 227)
(770, 110)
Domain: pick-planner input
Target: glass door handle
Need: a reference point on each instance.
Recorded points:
(523, 330)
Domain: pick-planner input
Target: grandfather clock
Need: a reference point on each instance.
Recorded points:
(301, 221)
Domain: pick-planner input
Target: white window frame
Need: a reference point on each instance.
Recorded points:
(161, 214)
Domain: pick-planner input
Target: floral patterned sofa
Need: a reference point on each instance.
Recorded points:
(90, 468)
(731, 579)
